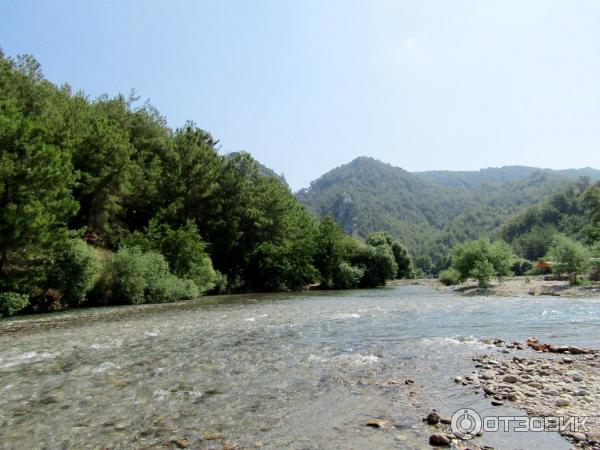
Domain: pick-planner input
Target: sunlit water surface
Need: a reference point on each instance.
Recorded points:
(298, 371)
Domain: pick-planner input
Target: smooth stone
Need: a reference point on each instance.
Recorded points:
(510, 379)
(439, 440)
(377, 423)
(211, 436)
(563, 402)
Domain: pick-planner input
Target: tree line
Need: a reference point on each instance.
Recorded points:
(102, 203)
(563, 231)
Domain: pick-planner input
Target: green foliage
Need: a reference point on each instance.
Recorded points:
(347, 276)
(449, 277)
(482, 260)
(568, 257)
(12, 302)
(135, 277)
(521, 267)
(329, 253)
(184, 251)
(377, 262)
(429, 212)
(75, 270)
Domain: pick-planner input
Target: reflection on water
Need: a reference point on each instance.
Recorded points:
(272, 371)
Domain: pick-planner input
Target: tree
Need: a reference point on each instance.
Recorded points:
(568, 257)
(35, 199)
(591, 201)
(184, 251)
(329, 251)
(482, 260)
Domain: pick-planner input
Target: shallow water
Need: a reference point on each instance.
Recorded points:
(291, 371)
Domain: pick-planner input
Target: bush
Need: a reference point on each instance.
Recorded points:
(449, 277)
(135, 277)
(12, 302)
(347, 276)
(172, 289)
(184, 250)
(521, 267)
(569, 256)
(482, 260)
(75, 271)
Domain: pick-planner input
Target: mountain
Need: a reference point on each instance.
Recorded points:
(430, 211)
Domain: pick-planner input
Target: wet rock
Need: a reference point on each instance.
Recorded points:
(439, 440)
(433, 418)
(377, 423)
(579, 437)
(458, 379)
(445, 420)
(497, 403)
(409, 381)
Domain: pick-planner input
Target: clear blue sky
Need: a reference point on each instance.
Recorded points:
(308, 85)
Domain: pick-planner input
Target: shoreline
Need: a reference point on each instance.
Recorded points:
(523, 286)
(543, 381)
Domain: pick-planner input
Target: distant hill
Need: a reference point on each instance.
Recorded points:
(430, 211)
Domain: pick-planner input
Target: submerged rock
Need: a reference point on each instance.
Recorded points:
(433, 418)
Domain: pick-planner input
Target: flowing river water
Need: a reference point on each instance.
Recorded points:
(273, 371)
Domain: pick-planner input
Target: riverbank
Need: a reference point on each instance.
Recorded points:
(511, 287)
(554, 381)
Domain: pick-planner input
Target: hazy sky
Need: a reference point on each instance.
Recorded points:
(308, 85)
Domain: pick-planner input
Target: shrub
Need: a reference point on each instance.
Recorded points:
(568, 256)
(75, 271)
(482, 260)
(449, 277)
(135, 277)
(172, 289)
(347, 276)
(184, 250)
(12, 302)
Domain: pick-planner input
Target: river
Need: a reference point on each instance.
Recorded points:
(272, 371)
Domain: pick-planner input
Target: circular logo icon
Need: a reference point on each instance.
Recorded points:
(466, 423)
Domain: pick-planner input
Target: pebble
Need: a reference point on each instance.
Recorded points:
(439, 440)
(563, 402)
(377, 423)
(211, 436)
(510, 379)
(579, 437)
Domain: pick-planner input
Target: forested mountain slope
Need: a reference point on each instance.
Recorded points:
(430, 211)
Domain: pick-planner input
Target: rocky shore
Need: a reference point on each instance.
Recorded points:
(512, 287)
(543, 380)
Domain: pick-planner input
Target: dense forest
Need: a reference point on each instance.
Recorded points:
(432, 211)
(102, 203)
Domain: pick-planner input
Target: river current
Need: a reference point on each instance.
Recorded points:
(272, 371)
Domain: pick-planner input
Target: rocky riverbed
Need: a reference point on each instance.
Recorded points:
(543, 380)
